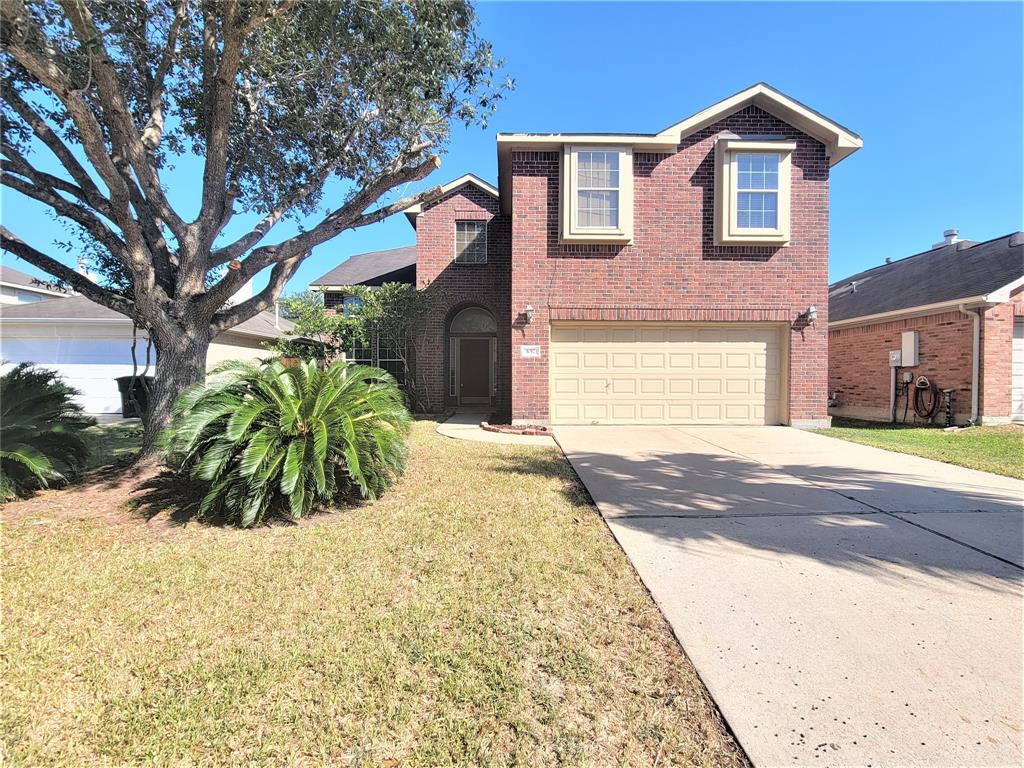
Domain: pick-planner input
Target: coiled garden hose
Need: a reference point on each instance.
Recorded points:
(926, 398)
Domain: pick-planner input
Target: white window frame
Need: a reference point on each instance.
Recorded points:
(571, 231)
(727, 230)
(455, 242)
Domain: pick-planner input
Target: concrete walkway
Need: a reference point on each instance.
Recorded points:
(844, 605)
(465, 425)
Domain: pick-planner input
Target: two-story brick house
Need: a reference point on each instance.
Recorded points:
(673, 277)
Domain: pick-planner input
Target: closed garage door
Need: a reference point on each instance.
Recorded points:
(649, 373)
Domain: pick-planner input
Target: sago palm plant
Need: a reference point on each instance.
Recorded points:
(276, 440)
(41, 441)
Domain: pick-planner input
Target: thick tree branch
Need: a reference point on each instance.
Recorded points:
(333, 224)
(45, 134)
(13, 244)
(18, 164)
(222, 96)
(239, 247)
(93, 224)
(46, 71)
(153, 131)
(123, 133)
(279, 276)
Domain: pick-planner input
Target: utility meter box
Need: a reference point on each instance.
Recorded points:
(895, 358)
(909, 349)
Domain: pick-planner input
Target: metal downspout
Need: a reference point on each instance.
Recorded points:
(976, 362)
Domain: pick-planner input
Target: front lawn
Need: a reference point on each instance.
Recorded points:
(991, 449)
(479, 614)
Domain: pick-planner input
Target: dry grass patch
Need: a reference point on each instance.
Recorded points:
(480, 614)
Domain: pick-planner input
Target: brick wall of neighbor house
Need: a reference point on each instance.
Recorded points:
(996, 361)
(859, 363)
(462, 285)
(673, 270)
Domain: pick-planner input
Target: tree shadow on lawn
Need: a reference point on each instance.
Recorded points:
(813, 511)
(180, 497)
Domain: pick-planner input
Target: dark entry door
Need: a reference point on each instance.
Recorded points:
(474, 371)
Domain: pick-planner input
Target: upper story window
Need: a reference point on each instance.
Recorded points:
(470, 242)
(597, 189)
(597, 194)
(752, 191)
(757, 191)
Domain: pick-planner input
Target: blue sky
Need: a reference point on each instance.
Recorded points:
(935, 90)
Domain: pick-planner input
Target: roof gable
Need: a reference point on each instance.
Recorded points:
(839, 141)
(467, 178)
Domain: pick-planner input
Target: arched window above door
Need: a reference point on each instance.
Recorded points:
(474, 320)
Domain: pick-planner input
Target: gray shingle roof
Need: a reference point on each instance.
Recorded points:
(16, 277)
(364, 267)
(957, 271)
(81, 308)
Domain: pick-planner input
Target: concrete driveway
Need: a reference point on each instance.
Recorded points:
(844, 605)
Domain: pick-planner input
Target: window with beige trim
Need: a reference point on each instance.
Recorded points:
(470, 242)
(753, 191)
(597, 194)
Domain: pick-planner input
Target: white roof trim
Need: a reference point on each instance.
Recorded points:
(33, 289)
(467, 178)
(121, 321)
(841, 142)
(1002, 295)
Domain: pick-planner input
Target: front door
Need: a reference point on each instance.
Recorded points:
(474, 371)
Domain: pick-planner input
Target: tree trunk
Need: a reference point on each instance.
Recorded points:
(181, 362)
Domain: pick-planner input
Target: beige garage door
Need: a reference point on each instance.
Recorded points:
(651, 373)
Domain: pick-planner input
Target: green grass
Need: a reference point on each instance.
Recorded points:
(991, 449)
(479, 614)
(112, 442)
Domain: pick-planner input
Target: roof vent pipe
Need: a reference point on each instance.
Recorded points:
(949, 237)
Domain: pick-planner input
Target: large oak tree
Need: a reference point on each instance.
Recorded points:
(275, 97)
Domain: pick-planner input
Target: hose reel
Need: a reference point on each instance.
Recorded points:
(927, 398)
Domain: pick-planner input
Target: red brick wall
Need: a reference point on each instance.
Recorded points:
(996, 361)
(673, 270)
(462, 285)
(859, 363)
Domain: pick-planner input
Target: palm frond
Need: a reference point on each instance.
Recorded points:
(280, 440)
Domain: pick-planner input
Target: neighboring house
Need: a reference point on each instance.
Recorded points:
(672, 277)
(397, 265)
(18, 288)
(965, 303)
(90, 345)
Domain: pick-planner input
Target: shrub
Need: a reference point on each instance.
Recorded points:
(41, 439)
(277, 440)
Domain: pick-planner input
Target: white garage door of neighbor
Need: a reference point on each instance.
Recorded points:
(651, 373)
(1018, 369)
(88, 365)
